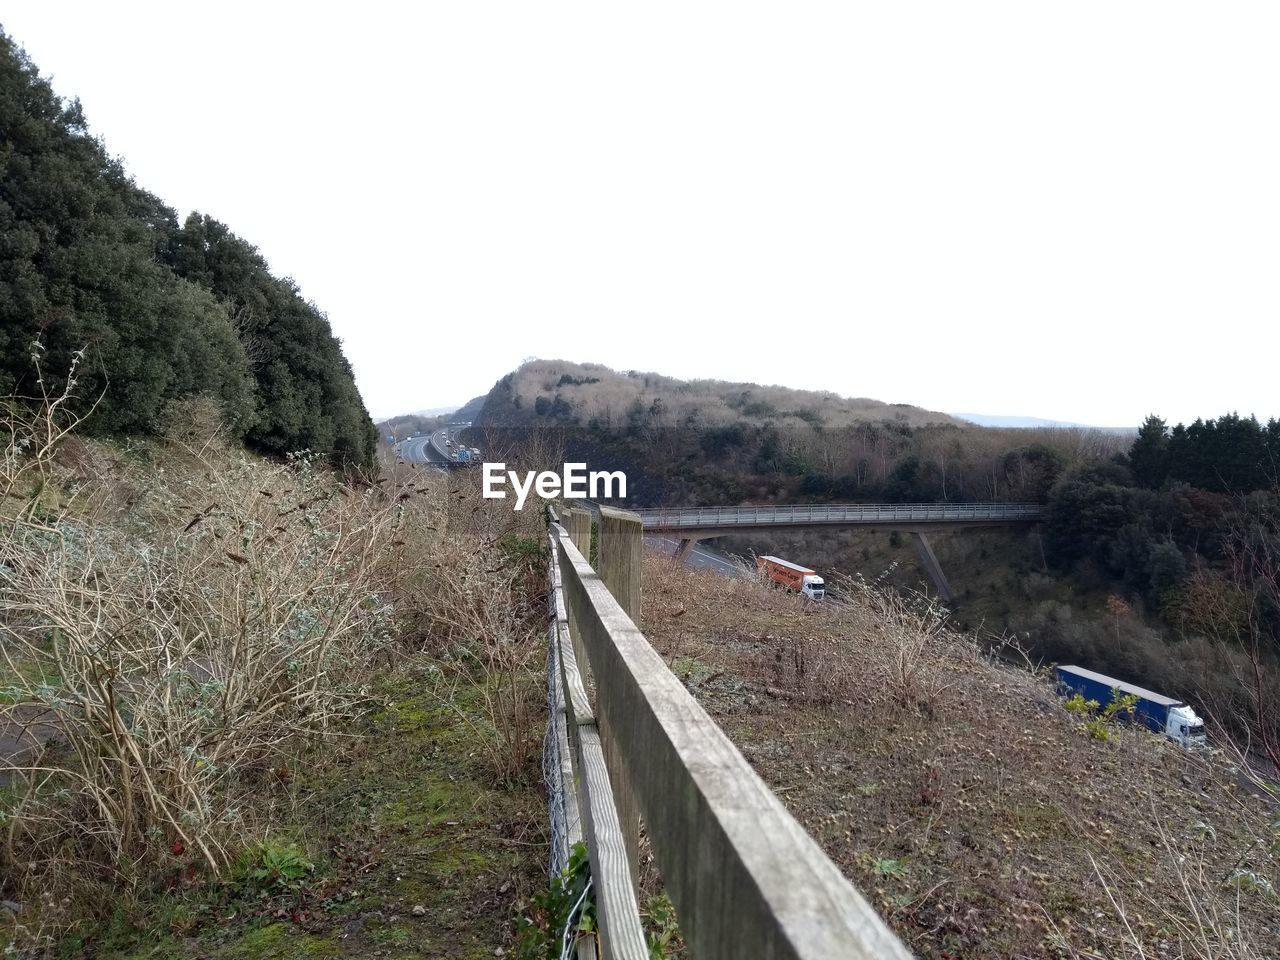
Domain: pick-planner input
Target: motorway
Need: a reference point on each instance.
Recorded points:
(418, 450)
(700, 557)
(430, 449)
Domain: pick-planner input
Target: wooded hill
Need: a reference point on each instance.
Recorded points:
(712, 442)
(591, 395)
(93, 267)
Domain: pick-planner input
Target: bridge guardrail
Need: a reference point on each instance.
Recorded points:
(745, 878)
(905, 513)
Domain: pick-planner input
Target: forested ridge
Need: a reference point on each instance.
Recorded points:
(93, 266)
(712, 442)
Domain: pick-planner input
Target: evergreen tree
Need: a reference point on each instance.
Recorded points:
(78, 271)
(1083, 520)
(1232, 454)
(306, 390)
(88, 261)
(1148, 458)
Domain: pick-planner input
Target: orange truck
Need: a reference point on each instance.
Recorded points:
(792, 576)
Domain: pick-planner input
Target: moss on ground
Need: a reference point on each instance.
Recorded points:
(408, 816)
(277, 941)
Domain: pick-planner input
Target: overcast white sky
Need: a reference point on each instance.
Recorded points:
(1069, 211)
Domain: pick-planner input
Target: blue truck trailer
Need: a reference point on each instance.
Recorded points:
(1173, 718)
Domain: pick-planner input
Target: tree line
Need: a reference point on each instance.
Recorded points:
(1183, 534)
(93, 266)
(1146, 519)
(1232, 454)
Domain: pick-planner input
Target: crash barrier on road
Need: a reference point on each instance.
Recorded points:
(628, 742)
(896, 514)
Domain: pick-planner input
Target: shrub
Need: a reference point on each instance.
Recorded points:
(160, 665)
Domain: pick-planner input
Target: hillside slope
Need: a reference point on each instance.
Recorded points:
(976, 813)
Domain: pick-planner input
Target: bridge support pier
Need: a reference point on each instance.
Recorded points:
(929, 561)
(682, 551)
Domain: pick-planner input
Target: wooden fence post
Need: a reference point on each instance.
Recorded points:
(579, 527)
(621, 553)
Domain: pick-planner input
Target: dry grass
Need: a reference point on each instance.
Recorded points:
(158, 665)
(958, 794)
(181, 624)
(469, 602)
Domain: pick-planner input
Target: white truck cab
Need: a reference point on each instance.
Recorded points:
(792, 576)
(1184, 727)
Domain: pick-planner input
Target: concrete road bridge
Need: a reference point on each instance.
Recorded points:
(691, 524)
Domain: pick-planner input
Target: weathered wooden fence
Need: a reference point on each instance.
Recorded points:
(745, 878)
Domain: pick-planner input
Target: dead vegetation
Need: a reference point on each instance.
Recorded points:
(152, 665)
(956, 791)
(183, 626)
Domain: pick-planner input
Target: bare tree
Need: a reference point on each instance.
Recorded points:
(1238, 610)
(1252, 552)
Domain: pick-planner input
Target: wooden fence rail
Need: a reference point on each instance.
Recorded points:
(745, 878)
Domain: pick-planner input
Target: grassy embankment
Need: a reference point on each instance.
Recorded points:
(979, 815)
(250, 710)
